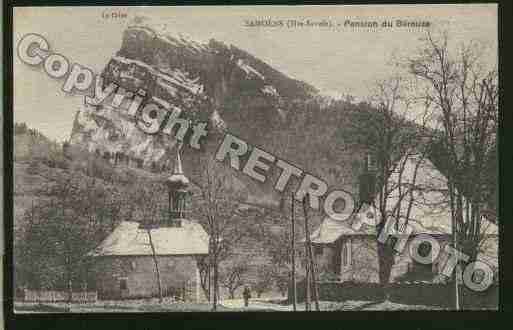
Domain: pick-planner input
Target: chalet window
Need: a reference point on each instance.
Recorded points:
(371, 163)
(478, 276)
(424, 249)
(421, 271)
(123, 284)
(317, 250)
(175, 223)
(434, 267)
(367, 185)
(346, 253)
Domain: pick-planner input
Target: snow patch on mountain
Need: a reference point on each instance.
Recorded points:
(281, 113)
(174, 77)
(270, 90)
(178, 71)
(217, 121)
(250, 71)
(109, 130)
(158, 28)
(179, 78)
(167, 87)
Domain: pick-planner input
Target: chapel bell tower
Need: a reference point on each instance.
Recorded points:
(177, 185)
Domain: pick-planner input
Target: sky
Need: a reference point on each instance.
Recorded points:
(338, 60)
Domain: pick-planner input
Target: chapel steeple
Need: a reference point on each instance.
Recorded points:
(177, 184)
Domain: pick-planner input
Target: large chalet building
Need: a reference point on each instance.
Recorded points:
(348, 249)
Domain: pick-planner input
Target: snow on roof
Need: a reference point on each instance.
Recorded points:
(430, 211)
(361, 223)
(178, 178)
(130, 240)
(178, 175)
(330, 230)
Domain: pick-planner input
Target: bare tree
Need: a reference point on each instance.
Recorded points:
(66, 227)
(231, 276)
(148, 198)
(217, 204)
(392, 129)
(462, 89)
(204, 272)
(64, 217)
(263, 280)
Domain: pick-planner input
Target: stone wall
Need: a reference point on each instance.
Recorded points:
(426, 294)
(360, 263)
(178, 277)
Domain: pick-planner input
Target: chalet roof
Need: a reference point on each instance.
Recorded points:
(130, 240)
(361, 225)
(331, 230)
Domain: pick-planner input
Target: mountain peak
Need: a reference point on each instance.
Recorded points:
(162, 29)
(212, 82)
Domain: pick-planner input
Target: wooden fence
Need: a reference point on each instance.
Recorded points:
(59, 296)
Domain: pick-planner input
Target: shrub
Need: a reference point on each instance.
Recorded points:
(281, 279)
(328, 276)
(33, 167)
(263, 281)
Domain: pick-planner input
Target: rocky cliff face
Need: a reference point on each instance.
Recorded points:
(212, 81)
(207, 81)
(218, 83)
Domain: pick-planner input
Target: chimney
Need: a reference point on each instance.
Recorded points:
(367, 181)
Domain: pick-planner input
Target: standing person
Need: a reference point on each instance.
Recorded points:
(246, 294)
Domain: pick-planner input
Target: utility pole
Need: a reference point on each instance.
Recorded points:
(310, 261)
(456, 273)
(314, 281)
(208, 273)
(456, 270)
(307, 283)
(293, 235)
(308, 265)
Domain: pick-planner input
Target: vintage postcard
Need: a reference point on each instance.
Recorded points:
(255, 158)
